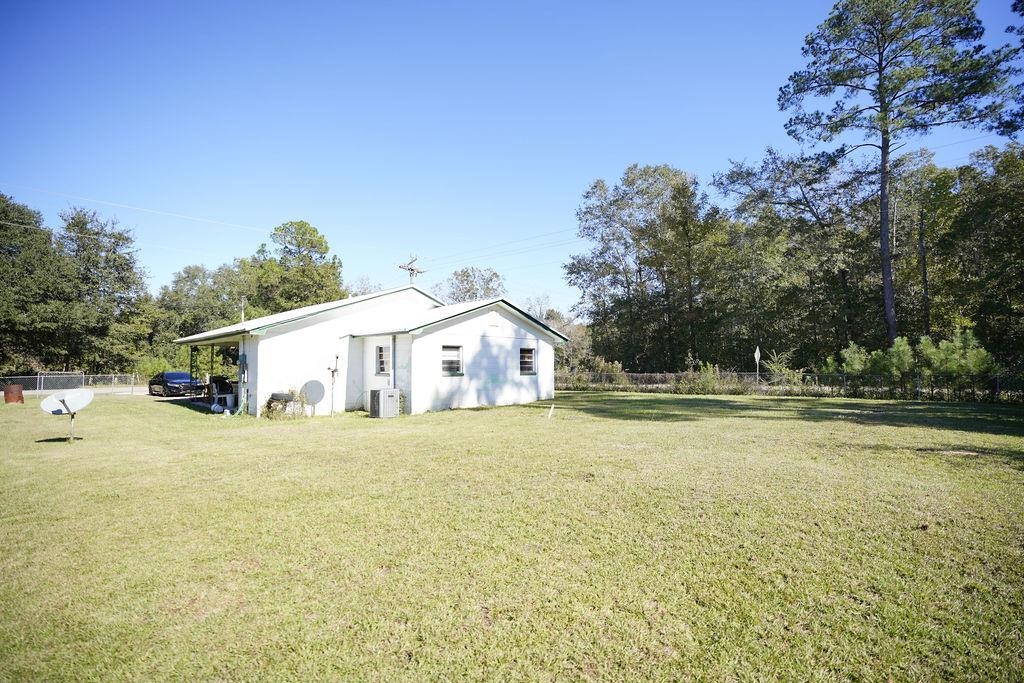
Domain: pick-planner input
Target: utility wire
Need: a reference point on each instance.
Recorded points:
(960, 142)
(486, 252)
(499, 244)
(262, 231)
(498, 255)
(135, 243)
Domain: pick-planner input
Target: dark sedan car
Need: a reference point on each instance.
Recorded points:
(174, 384)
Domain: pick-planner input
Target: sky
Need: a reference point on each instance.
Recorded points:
(462, 133)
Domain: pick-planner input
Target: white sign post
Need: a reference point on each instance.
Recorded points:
(757, 363)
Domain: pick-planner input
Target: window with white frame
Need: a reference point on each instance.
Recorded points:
(527, 361)
(383, 360)
(451, 360)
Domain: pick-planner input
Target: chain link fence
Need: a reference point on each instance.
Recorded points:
(60, 381)
(994, 388)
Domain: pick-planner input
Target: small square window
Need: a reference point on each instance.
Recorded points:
(383, 360)
(451, 360)
(527, 361)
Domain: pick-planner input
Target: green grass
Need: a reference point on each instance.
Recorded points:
(630, 536)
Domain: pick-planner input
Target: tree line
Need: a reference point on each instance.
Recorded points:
(804, 255)
(74, 298)
(807, 254)
(672, 280)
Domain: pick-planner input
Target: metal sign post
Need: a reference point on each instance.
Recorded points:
(757, 363)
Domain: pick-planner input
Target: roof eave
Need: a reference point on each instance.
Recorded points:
(201, 340)
(242, 330)
(553, 332)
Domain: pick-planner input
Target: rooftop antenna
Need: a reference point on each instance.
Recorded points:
(67, 403)
(412, 270)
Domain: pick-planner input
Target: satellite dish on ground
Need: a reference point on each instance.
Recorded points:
(67, 403)
(314, 393)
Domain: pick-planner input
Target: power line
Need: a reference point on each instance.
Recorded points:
(499, 244)
(135, 243)
(503, 253)
(52, 233)
(436, 261)
(262, 231)
(961, 142)
(447, 260)
(27, 225)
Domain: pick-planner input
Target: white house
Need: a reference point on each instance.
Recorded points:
(483, 353)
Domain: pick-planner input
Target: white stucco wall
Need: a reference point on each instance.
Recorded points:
(371, 378)
(403, 367)
(300, 354)
(351, 382)
(490, 343)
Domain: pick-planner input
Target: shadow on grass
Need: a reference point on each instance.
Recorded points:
(973, 456)
(189, 403)
(973, 417)
(59, 439)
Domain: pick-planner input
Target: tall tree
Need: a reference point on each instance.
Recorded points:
(896, 68)
(470, 284)
(99, 288)
(924, 205)
(685, 253)
(615, 278)
(201, 299)
(813, 206)
(308, 274)
(987, 252)
(30, 267)
(652, 284)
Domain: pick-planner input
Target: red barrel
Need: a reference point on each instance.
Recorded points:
(13, 393)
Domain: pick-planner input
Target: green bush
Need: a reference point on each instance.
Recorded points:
(710, 379)
(778, 365)
(151, 365)
(855, 360)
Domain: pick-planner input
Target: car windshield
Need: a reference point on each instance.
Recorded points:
(177, 376)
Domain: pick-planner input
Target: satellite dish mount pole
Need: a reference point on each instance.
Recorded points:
(67, 403)
(71, 436)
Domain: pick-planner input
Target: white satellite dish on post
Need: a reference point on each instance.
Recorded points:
(67, 403)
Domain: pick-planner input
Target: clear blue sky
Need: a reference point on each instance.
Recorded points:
(464, 133)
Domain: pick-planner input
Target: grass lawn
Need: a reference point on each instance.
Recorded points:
(629, 536)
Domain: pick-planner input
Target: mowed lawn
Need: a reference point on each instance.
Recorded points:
(629, 536)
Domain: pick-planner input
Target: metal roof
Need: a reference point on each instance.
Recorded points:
(421, 320)
(257, 326)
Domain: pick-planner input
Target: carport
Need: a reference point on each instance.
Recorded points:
(227, 392)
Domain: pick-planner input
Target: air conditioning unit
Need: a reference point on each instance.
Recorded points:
(384, 403)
